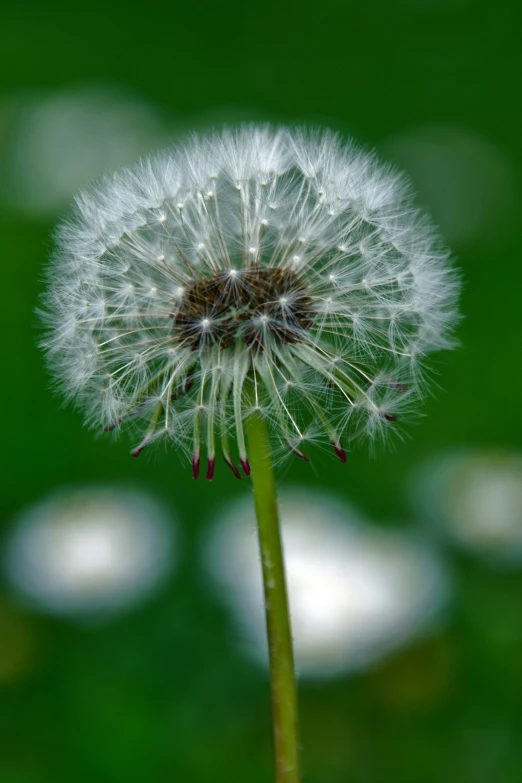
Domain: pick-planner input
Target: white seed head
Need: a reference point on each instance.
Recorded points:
(176, 306)
(357, 593)
(90, 551)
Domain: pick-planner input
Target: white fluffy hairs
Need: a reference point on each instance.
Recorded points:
(262, 269)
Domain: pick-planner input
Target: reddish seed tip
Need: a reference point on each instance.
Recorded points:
(389, 417)
(112, 426)
(299, 453)
(245, 465)
(144, 442)
(339, 451)
(233, 468)
(195, 465)
(210, 469)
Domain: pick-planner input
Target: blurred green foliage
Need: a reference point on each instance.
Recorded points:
(163, 693)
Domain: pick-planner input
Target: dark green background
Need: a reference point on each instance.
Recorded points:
(162, 693)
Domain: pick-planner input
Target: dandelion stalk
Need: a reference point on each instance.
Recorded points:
(282, 671)
(285, 259)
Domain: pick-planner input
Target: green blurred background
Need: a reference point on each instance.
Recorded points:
(163, 691)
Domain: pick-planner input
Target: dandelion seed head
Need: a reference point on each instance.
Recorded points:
(265, 269)
(357, 593)
(89, 552)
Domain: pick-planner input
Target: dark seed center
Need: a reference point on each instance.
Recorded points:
(249, 304)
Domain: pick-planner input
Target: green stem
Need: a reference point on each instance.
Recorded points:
(282, 674)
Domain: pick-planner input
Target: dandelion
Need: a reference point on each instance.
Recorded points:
(474, 497)
(357, 593)
(259, 270)
(270, 287)
(91, 552)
